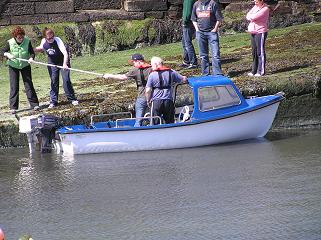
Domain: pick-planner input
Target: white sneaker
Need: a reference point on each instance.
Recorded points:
(250, 74)
(51, 105)
(36, 108)
(13, 111)
(75, 102)
(257, 75)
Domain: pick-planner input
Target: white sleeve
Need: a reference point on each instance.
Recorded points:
(61, 45)
(43, 41)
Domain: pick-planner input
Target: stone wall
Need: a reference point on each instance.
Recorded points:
(13, 12)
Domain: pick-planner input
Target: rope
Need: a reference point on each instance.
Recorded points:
(52, 65)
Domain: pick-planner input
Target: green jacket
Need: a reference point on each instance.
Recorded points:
(187, 11)
(19, 51)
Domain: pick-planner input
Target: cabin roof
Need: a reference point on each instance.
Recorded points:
(210, 80)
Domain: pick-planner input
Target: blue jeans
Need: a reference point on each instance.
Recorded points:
(54, 90)
(189, 56)
(204, 39)
(140, 109)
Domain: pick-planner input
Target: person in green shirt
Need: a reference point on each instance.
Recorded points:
(189, 56)
(20, 47)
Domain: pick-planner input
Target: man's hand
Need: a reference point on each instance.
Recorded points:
(65, 66)
(8, 55)
(148, 93)
(30, 60)
(185, 79)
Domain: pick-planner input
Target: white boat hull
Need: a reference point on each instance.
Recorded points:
(253, 124)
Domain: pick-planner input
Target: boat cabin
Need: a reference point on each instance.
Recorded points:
(208, 96)
(202, 98)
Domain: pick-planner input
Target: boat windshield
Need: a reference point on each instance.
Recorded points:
(217, 97)
(184, 96)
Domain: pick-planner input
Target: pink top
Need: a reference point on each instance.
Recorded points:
(259, 19)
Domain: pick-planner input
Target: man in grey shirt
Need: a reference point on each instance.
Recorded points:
(207, 17)
(159, 90)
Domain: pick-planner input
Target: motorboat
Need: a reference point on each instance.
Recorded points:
(208, 110)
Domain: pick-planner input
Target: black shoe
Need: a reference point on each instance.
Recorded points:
(191, 66)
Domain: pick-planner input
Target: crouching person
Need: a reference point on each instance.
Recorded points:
(159, 94)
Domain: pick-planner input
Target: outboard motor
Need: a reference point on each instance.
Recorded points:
(45, 131)
(28, 125)
(40, 130)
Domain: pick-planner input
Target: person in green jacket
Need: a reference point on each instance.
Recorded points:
(20, 47)
(189, 56)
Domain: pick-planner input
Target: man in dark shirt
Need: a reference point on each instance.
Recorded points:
(139, 73)
(207, 17)
(189, 56)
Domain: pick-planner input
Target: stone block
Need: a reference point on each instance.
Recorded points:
(29, 19)
(14, 9)
(98, 15)
(286, 7)
(239, 7)
(54, 7)
(71, 17)
(155, 14)
(97, 4)
(4, 21)
(175, 2)
(145, 5)
(16, 1)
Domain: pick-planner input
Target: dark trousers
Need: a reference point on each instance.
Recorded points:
(14, 75)
(258, 53)
(189, 56)
(67, 85)
(163, 108)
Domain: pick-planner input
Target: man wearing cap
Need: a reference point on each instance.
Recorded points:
(159, 90)
(139, 73)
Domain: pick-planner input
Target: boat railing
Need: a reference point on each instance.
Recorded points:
(109, 115)
(140, 118)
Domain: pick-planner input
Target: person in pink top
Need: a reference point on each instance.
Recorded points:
(258, 28)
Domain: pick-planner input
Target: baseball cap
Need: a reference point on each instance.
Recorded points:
(137, 56)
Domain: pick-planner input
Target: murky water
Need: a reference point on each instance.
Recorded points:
(261, 189)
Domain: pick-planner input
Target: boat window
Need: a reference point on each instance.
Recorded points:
(217, 97)
(184, 96)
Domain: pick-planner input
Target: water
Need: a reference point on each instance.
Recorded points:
(261, 189)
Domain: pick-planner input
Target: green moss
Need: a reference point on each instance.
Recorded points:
(121, 33)
(5, 34)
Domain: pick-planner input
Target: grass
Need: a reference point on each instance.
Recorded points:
(288, 49)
